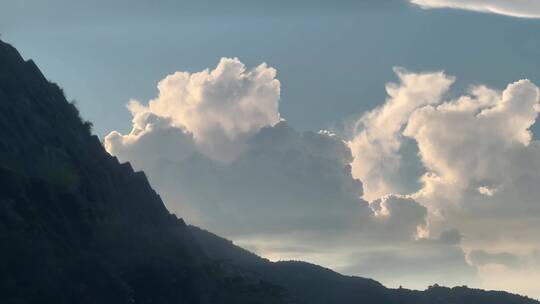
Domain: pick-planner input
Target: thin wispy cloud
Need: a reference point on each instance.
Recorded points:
(514, 8)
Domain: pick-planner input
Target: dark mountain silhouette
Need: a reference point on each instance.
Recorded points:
(76, 226)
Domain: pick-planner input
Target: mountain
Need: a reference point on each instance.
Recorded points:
(76, 226)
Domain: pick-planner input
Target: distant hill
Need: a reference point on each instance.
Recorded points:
(317, 285)
(76, 226)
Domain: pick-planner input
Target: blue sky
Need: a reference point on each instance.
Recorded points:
(334, 60)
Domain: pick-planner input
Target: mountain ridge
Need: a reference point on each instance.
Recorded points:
(321, 285)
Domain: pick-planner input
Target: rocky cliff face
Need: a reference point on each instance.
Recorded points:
(78, 227)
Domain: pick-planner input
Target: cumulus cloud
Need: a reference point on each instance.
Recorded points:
(284, 183)
(277, 179)
(493, 128)
(220, 108)
(152, 138)
(484, 126)
(377, 140)
(214, 146)
(478, 145)
(515, 8)
(481, 166)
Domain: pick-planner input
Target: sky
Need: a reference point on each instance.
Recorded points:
(388, 139)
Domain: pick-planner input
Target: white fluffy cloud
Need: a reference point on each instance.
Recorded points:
(477, 145)
(480, 159)
(220, 108)
(492, 127)
(378, 140)
(152, 138)
(284, 182)
(481, 164)
(515, 8)
(483, 174)
(213, 146)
